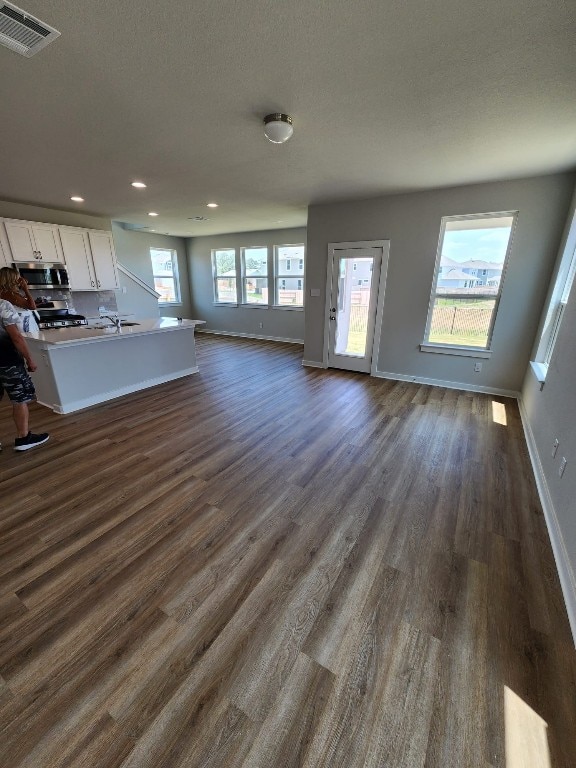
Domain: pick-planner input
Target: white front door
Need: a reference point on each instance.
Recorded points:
(356, 282)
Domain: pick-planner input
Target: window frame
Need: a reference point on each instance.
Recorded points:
(277, 275)
(215, 277)
(243, 277)
(563, 285)
(175, 275)
(461, 349)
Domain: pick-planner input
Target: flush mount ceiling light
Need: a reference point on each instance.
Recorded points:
(152, 213)
(212, 205)
(139, 184)
(278, 127)
(77, 199)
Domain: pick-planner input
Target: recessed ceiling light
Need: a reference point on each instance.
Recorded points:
(77, 199)
(139, 184)
(212, 205)
(152, 213)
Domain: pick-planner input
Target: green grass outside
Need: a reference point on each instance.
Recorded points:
(465, 340)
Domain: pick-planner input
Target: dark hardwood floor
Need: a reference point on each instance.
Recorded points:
(269, 565)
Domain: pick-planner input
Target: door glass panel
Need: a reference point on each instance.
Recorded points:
(354, 287)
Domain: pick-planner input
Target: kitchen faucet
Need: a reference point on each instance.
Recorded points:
(114, 319)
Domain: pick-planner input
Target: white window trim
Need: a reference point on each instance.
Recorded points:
(283, 276)
(447, 349)
(272, 276)
(563, 285)
(455, 349)
(215, 278)
(244, 301)
(175, 276)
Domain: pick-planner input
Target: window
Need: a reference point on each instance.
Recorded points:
(224, 274)
(165, 274)
(255, 275)
(560, 295)
(463, 310)
(289, 288)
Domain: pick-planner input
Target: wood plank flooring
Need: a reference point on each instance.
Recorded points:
(266, 565)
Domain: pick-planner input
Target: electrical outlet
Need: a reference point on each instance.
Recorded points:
(555, 447)
(562, 466)
(260, 325)
(477, 367)
(101, 309)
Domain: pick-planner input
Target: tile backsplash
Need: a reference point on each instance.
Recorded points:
(85, 303)
(88, 303)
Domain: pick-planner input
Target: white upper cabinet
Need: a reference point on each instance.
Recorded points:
(4, 251)
(76, 247)
(90, 259)
(104, 258)
(31, 241)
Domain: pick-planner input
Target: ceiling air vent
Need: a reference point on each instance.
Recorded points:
(24, 33)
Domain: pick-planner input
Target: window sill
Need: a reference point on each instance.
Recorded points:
(285, 306)
(224, 304)
(169, 303)
(539, 370)
(248, 305)
(442, 349)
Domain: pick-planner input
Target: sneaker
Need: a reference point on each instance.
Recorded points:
(30, 441)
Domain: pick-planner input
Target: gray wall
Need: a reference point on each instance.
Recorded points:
(412, 223)
(133, 251)
(551, 413)
(277, 323)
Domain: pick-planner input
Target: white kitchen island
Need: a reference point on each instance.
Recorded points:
(81, 366)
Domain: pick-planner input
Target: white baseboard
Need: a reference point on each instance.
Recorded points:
(250, 336)
(565, 571)
(103, 397)
(448, 384)
(313, 364)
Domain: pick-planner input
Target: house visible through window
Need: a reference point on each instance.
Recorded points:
(165, 274)
(224, 276)
(255, 275)
(289, 288)
(470, 266)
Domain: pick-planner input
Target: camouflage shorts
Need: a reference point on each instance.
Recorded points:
(14, 379)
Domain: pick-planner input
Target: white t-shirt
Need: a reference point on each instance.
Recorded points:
(9, 355)
(27, 320)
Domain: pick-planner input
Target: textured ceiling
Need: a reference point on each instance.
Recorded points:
(385, 96)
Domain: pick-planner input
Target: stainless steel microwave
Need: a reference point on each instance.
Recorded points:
(43, 275)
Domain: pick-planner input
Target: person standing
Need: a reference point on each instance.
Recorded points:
(14, 288)
(15, 362)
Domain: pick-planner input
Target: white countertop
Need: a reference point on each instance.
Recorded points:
(84, 334)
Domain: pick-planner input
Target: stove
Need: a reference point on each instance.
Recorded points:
(55, 314)
(60, 321)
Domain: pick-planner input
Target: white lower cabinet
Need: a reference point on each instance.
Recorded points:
(90, 259)
(32, 241)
